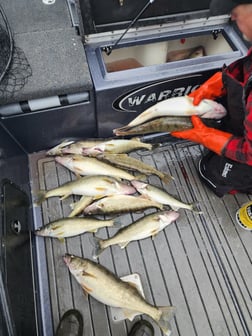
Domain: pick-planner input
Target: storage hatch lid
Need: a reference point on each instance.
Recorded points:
(99, 16)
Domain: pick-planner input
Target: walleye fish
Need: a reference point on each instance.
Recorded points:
(181, 106)
(95, 185)
(70, 227)
(119, 204)
(161, 196)
(79, 206)
(79, 146)
(130, 163)
(117, 146)
(57, 150)
(107, 288)
(144, 227)
(73, 147)
(84, 165)
(157, 125)
(178, 55)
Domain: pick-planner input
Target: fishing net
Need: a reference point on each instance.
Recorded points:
(6, 44)
(14, 66)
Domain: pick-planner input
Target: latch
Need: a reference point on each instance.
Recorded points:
(216, 33)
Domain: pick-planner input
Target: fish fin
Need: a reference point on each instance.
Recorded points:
(86, 290)
(41, 197)
(102, 189)
(78, 173)
(86, 274)
(64, 197)
(164, 320)
(130, 314)
(154, 233)
(124, 244)
(85, 293)
(95, 241)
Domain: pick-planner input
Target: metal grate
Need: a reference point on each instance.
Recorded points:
(201, 264)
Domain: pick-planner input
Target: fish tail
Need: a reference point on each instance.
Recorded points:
(195, 208)
(166, 316)
(41, 197)
(121, 130)
(166, 178)
(97, 247)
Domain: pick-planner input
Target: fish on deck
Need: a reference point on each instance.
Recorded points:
(161, 196)
(120, 204)
(95, 185)
(70, 227)
(85, 165)
(147, 226)
(110, 290)
(128, 162)
(117, 146)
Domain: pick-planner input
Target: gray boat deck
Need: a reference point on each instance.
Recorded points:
(201, 264)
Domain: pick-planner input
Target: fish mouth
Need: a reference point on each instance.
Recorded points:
(67, 258)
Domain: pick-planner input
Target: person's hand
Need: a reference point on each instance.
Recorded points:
(210, 89)
(211, 138)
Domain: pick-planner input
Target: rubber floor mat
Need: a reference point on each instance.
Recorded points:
(201, 264)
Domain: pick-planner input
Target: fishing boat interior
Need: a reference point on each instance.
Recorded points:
(57, 85)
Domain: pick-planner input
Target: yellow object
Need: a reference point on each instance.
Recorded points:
(244, 216)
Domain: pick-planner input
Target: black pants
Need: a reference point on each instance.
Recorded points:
(223, 175)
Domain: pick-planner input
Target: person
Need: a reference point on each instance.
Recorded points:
(227, 166)
(71, 324)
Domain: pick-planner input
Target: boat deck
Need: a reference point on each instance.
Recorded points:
(201, 264)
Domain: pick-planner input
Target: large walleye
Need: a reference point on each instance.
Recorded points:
(70, 227)
(119, 204)
(94, 185)
(157, 125)
(144, 227)
(107, 288)
(84, 165)
(130, 163)
(117, 146)
(159, 195)
(181, 106)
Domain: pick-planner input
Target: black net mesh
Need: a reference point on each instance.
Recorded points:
(14, 66)
(16, 76)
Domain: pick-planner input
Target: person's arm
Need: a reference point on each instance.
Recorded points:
(223, 143)
(211, 138)
(240, 148)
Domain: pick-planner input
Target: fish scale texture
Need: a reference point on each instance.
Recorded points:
(201, 264)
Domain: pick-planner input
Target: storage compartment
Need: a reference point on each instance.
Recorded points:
(155, 53)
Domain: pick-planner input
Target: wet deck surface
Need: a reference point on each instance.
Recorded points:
(201, 264)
